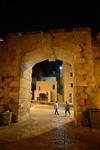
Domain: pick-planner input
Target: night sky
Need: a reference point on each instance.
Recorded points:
(47, 68)
(42, 15)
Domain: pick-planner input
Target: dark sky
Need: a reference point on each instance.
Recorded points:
(47, 68)
(41, 15)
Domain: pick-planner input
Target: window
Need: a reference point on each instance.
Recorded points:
(71, 74)
(71, 85)
(53, 87)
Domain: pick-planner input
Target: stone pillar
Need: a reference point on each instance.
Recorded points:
(67, 80)
(25, 93)
(84, 82)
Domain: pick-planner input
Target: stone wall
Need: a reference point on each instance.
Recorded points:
(9, 79)
(75, 48)
(96, 61)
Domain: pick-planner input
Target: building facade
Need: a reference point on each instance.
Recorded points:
(46, 91)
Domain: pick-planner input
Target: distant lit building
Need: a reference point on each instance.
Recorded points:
(46, 91)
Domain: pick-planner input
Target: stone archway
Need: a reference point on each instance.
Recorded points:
(74, 48)
(34, 57)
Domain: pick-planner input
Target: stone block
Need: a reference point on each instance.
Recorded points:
(14, 95)
(14, 84)
(80, 81)
(6, 118)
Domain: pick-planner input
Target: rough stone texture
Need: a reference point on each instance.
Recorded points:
(67, 81)
(46, 131)
(19, 53)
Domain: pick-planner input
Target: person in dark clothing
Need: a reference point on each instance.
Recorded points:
(67, 108)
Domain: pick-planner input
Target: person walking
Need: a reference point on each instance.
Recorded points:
(67, 108)
(56, 108)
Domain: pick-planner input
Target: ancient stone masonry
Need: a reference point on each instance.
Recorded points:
(96, 62)
(19, 53)
(9, 79)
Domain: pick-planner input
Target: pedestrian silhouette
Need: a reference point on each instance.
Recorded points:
(67, 108)
(56, 108)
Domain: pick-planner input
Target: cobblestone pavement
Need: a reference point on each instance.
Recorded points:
(46, 131)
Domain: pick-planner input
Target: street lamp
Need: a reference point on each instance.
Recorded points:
(60, 68)
(60, 81)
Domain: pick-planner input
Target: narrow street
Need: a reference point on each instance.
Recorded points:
(46, 131)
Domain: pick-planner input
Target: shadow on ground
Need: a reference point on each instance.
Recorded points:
(65, 137)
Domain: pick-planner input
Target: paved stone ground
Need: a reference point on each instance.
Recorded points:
(46, 131)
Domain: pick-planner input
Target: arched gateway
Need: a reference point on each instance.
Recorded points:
(20, 52)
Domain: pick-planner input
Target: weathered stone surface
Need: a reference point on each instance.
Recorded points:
(19, 53)
(6, 118)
